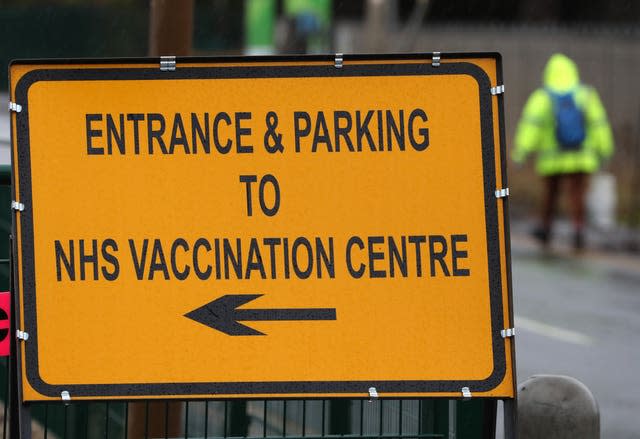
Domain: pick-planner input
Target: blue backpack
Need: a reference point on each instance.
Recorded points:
(570, 121)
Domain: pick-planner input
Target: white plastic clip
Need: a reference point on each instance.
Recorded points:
(15, 205)
(15, 107)
(499, 89)
(509, 332)
(373, 394)
(466, 393)
(66, 397)
(167, 63)
(502, 193)
(338, 60)
(435, 59)
(21, 335)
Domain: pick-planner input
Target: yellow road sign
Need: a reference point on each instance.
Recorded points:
(261, 228)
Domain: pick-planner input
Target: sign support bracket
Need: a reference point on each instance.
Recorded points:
(16, 108)
(502, 193)
(435, 59)
(16, 205)
(167, 63)
(509, 332)
(497, 90)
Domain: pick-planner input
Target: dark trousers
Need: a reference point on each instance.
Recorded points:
(577, 185)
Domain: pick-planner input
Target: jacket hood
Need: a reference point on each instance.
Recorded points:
(561, 74)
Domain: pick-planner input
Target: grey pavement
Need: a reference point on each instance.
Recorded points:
(579, 315)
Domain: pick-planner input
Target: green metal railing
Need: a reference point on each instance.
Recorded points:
(291, 419)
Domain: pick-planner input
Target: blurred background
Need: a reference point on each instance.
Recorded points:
(576, 315)
(602, 36)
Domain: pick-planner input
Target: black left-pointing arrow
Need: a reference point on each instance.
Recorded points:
(223, 314)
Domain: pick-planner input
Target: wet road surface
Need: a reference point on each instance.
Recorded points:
(580, 316)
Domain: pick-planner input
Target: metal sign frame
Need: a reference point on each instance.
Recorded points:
(268, 67)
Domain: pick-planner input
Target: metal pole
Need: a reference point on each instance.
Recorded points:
(170, 27)
(489, 412)
(510, 414)
(19, 413)
(453, 419)
(381, 18)
(634, 202)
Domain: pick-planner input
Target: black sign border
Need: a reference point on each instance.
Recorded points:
(255, 70)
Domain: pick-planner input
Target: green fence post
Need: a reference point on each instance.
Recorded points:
(340, 416)
(238, 419)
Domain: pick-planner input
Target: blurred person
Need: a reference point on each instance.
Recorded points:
(565, 124)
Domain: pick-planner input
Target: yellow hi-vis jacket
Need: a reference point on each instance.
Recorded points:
(536, 129)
